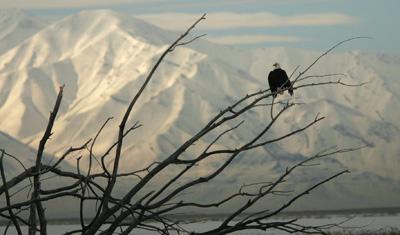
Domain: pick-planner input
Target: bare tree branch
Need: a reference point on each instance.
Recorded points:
(36, 180)
(326, 53)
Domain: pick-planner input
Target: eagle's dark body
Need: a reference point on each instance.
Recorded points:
(278, 79)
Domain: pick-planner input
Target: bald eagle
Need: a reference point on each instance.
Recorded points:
(278, 80)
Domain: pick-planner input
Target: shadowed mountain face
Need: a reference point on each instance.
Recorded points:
(103, 57)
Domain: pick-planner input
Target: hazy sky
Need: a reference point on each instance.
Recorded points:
(311, 24)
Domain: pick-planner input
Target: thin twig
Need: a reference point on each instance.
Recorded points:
(7, 195)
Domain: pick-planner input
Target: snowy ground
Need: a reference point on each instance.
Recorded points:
(359, 223)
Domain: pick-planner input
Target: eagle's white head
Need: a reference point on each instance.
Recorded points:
(276, 65)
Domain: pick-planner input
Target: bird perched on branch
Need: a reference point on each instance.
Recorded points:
(279, 81)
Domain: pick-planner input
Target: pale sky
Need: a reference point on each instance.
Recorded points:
(309, 24)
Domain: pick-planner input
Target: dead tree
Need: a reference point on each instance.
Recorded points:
(144, 208)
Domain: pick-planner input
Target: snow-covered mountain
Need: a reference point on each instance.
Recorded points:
(102, 57)
(16, 26)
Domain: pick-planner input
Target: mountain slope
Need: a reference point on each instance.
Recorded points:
(26, 156)
(16, 26)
